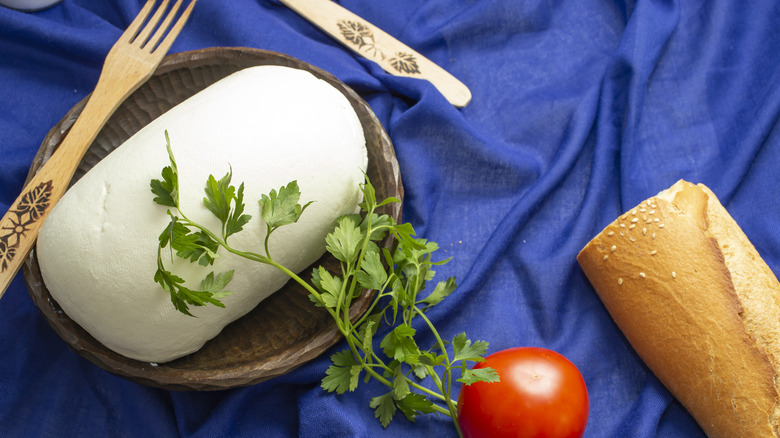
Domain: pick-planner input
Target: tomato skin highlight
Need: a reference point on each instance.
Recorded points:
(541, 395)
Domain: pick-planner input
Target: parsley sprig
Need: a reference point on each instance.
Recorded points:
(418, 380)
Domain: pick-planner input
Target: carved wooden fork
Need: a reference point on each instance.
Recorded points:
(129, 63)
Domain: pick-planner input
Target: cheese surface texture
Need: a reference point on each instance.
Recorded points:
(271, 125)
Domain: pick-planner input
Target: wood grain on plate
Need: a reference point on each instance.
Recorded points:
(282, 332)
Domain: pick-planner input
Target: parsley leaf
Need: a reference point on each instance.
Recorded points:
(343, 375)
(367, 332)
(384, 408)
(400, 384)
(220, 195)
(194, 246)
(414, 404)
(372, 274)
(201, 248)
(182, 296)
(465, 350)
(164, 189)
(344, 242)
(216, 285)
(329, 286)
(400, 345)
(282, 208)
(442, 291)
(226, 203)
(237, 219)
(474, 375)
(167, 190)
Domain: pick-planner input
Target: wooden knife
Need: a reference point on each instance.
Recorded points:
(373, 43)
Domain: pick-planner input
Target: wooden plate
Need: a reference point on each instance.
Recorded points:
(285, 330)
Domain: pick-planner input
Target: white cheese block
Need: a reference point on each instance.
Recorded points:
(97, 250)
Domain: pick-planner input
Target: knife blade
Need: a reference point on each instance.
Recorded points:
(376, 45)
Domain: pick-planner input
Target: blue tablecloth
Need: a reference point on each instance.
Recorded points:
(581, 109)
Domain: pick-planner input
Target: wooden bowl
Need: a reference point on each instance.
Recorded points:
(282, 332)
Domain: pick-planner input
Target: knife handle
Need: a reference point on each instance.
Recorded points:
(373, 43)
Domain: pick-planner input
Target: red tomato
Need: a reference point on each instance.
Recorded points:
(541, 395)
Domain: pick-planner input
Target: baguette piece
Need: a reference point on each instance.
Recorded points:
(698, 304)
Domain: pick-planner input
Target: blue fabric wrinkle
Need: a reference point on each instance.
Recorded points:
(580, 110)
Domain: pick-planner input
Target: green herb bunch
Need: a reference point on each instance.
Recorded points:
(397, 277)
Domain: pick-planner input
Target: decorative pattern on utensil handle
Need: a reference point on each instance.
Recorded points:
(31, 209)
(361, 35)
(373, 43)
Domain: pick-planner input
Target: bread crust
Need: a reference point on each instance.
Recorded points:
(661, 272)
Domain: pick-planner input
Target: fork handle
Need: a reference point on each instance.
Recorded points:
(19, 227)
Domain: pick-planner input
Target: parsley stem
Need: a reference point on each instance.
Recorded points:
(377, 376)
(309, 289)
(436, 379)
(343, 301)
(444, 411)
(265, 243)
(446, 388)
(352, 340)
(429, 392)
(269, 261)
(379, 294)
